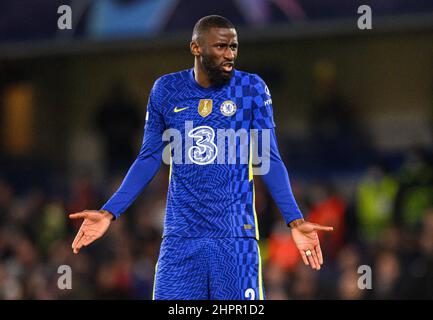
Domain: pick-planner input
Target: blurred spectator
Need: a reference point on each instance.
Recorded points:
(419, 282)
(391, 240)
(304, 283)
(415, 194)
(348, 261)
(52, 225)
(276, 282)
(347, 286)
(387, 276)
(282, 250)
(82, 195)
(349, 258)
(328, 209)
(375, 198)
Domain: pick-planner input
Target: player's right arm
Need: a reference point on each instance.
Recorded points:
(141, 172)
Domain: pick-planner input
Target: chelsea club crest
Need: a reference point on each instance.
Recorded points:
(228, 108)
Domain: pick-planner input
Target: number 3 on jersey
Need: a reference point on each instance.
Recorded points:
(205, 150)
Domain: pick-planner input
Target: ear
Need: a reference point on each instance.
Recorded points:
(195, 48)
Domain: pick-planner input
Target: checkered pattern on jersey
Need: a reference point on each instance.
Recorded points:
(211, 200)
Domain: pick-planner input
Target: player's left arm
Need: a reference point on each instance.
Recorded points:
(276, 179)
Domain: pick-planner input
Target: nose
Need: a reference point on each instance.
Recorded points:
(229, 54)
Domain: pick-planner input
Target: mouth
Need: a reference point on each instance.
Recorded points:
(227, 66)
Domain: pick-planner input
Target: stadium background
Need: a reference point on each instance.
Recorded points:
(354, 119)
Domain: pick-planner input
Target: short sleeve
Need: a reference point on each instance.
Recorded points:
(154, 117)
(262, 105)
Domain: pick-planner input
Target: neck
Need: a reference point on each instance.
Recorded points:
(200, 75)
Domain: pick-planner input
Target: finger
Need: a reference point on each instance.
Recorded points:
(304, 257)
(76, 249)
(316, 259)
(319, 254)
(318, 227)
(77, 238)
(78, 215)
(311, 261)
(80, 243)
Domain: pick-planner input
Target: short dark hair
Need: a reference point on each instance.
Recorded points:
(206, 23)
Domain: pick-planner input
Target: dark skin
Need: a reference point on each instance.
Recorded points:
(219, 46)
(214, 55)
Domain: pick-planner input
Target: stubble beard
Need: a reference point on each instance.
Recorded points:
(217, 77)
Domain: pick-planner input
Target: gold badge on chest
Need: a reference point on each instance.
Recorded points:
(205, 107)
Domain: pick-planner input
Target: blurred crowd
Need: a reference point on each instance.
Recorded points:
(384, 223)
(36, 237)
(381, 248)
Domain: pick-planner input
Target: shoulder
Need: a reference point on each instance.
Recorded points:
(169, 79)
(256, 80)
(258, 85)
(252, 79)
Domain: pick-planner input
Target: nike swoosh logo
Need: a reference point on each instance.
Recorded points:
(180, 109)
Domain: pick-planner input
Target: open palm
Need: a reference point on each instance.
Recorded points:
(94, 226)
(308, 244)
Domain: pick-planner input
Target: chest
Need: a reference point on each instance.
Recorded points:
(218, 111)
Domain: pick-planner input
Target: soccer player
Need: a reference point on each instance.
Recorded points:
(210, 241)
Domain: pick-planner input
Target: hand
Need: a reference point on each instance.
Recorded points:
(94, 226)
(306, 239)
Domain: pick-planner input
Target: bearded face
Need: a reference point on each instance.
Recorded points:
(218, 52)
(218, 73)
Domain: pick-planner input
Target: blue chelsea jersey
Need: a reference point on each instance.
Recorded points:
(211, 188)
